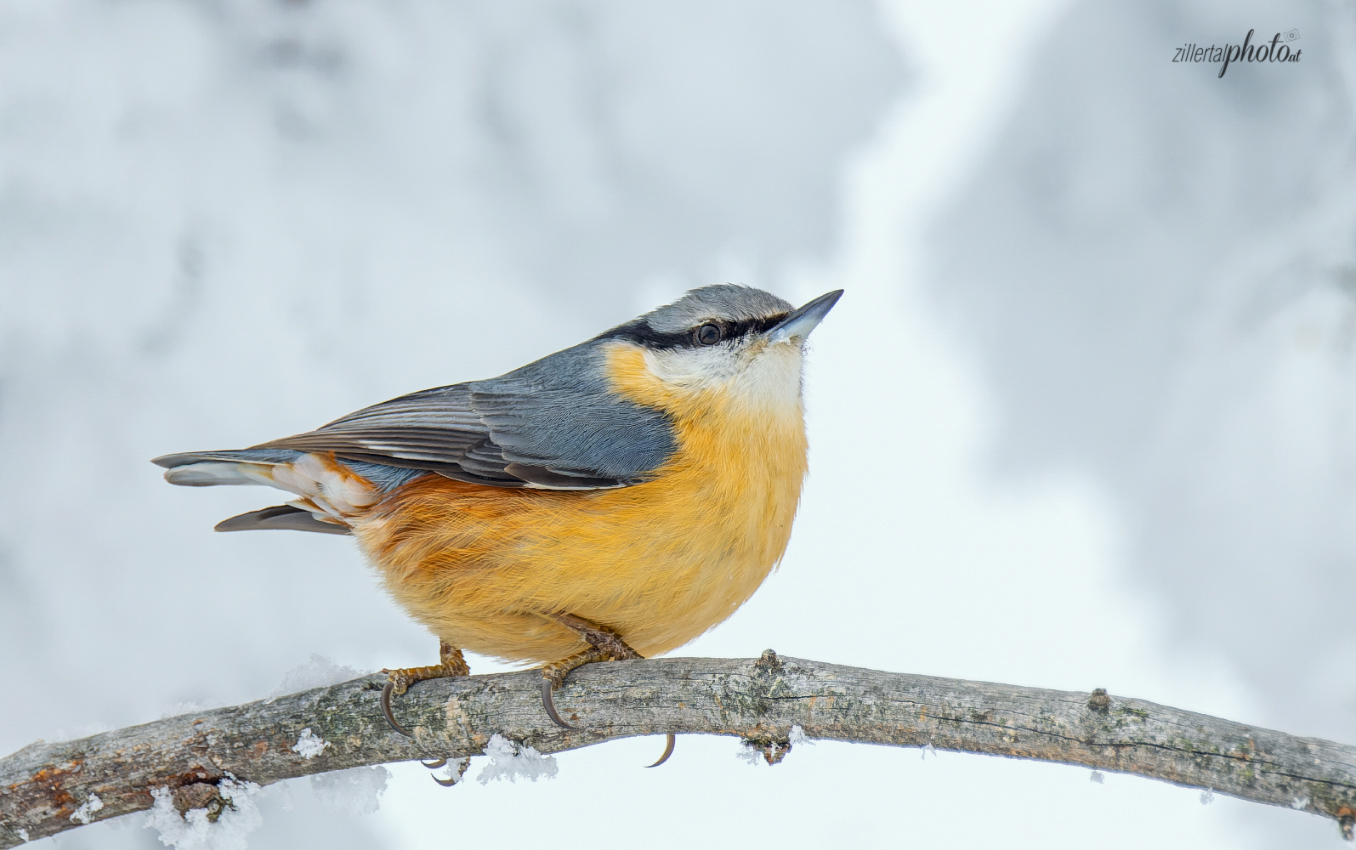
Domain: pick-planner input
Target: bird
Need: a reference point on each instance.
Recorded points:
(611, 501)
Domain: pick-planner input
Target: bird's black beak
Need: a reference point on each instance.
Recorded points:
(805, 319)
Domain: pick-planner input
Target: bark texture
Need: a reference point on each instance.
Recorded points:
(43, 786)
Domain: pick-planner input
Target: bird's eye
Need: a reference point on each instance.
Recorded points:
(708, 334)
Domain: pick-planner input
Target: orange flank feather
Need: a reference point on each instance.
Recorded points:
(660, 562)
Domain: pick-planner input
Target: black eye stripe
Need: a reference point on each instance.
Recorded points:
(641, 333)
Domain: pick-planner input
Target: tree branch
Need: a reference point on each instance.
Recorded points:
(43, 786)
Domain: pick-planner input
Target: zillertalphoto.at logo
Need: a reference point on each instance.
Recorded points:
(1278, 50)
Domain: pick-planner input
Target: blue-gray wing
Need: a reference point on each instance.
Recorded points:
(552, 424)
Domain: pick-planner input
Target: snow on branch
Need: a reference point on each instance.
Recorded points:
(197, 763)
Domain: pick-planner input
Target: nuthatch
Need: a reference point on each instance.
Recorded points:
(613, 500)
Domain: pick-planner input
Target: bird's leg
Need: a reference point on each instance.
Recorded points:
(452, 663)
(601, 638)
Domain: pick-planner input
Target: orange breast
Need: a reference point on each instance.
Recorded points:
(660, 562)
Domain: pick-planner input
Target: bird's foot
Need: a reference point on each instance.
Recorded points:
(453, 663)
(604, 645)
(553, 676)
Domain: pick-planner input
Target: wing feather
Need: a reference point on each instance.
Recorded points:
(552, 424)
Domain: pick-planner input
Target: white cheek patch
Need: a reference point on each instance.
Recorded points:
(764, 377)
(694, 368)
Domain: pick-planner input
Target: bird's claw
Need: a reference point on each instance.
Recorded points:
(459, 766)
(549, 704)
(668, 750)
(386, 708)
(553, 676)
(451, 664)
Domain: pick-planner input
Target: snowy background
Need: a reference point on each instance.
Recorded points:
(1085, 416)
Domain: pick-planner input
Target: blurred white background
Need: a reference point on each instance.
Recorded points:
(1084, 417)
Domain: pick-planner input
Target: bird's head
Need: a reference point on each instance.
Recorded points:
(731, 342)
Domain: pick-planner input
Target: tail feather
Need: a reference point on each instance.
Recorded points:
(208, 474)
(282, 517)
(265, 457)
(209, 469)
(331, 494)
